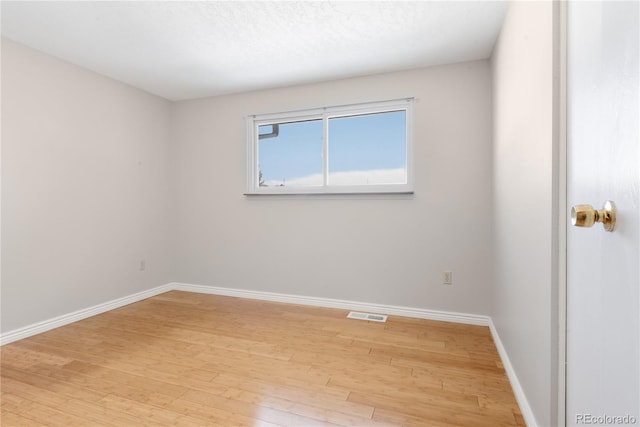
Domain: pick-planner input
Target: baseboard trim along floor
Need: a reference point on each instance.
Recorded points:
(471, 319)
(518, 392)
(66, 319)
(419, 313)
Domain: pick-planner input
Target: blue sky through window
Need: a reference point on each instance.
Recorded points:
(368, 142)
(296, 152)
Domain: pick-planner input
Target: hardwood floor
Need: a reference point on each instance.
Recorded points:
(185, 359)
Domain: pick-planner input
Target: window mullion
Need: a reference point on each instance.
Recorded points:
(325, 149)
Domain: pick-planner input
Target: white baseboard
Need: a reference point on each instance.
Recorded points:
(420, 313)
(521, 398)
(65, 319)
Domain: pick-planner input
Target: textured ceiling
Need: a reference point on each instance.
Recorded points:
(183, 49)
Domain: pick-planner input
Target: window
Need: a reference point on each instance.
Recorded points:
(364, 148)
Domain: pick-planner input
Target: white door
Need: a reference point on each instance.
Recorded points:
(603, 163)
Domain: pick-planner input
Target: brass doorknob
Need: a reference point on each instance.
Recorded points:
(586, 215)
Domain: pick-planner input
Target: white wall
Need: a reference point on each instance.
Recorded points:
(525, 228)
(84, 178)
(378, 249)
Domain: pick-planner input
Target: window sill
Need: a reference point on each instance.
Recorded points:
(331, 193)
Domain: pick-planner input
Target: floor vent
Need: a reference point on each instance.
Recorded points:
(367, 316)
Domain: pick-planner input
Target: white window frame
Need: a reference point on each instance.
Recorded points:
(254, 121)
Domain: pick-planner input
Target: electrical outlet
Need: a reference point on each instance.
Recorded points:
(143, 265)
(447, 278)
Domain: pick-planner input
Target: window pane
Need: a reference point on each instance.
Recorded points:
(368, 149)
(290, 154)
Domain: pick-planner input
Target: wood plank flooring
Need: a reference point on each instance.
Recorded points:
(186, 359)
